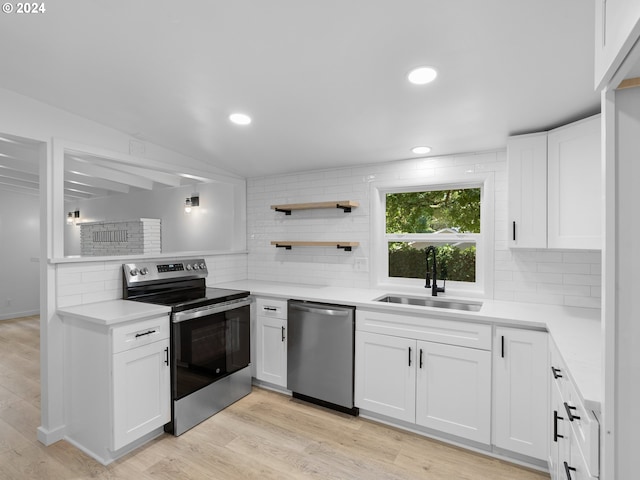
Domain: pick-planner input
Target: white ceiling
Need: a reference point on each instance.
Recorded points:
(324, 80)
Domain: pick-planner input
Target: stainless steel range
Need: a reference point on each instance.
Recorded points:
(210, 336)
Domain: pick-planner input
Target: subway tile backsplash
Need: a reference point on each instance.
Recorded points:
(560, 277)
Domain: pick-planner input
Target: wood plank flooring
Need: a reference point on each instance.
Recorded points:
(264, 436)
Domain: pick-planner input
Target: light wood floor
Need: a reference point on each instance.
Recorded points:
(266, 436)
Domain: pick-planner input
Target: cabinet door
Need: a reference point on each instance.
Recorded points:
(617, 29)
(558, 433)
(521, 386)
(575, 190)
(453, 390)
(271, 351)
(385, 380)
(141, 392)
(527, 184)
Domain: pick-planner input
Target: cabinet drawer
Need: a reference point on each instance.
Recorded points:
(140, 333)
(450, 332)
(585, 428)
(267, 307)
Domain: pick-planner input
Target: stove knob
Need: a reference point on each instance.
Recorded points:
(188, 266)
(144, 271)
(134, 272)
(203, 266)
(196, 266)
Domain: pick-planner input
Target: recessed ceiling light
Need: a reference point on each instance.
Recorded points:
(240, 118)
(422, 75)
(421, 150)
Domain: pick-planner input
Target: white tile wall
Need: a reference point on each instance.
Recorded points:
(88, 282)
(542, 276)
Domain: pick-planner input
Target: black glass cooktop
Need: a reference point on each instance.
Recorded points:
(180, 300)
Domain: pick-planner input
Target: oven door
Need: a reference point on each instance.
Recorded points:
(209, 344)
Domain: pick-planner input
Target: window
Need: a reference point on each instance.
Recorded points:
(451, 217)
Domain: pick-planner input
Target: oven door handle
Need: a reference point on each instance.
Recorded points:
(203, 312)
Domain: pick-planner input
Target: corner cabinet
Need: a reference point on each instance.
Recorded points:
(271, 341)
(409, 375)
(554, 185)
(520, 391)
(117, 384)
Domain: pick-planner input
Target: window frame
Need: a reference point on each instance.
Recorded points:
(379, 274)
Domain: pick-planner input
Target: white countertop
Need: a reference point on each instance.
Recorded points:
(575, 331)
(113, 312)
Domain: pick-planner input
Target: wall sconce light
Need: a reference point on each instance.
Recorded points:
(192, 201)
(73, 217)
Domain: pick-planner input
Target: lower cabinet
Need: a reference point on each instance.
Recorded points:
(271, 341)
(140, 386)
(443, 387)
(521, 391)
(573, 442)
(117, 384)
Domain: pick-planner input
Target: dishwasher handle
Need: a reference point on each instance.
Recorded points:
(321, 309)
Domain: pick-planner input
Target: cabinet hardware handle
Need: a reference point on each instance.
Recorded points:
(502, 342)
(166, 356)
(420, 358)
(145, 333)
(556, 417)
(556, 372)
(514, 230)
(282, 333)
(568, 470)
(271, 309)
(571, 416)
(409, 356)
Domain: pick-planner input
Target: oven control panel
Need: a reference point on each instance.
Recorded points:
(151, 271)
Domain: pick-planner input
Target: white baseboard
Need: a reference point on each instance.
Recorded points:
(28, 313)
(49, 437)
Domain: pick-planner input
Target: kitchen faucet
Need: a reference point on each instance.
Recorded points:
(434, 288)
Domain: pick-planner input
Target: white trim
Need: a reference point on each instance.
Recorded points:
(485, 240)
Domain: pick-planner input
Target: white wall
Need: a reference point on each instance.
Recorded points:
(211, 226)
(559, 277)
(19, 254)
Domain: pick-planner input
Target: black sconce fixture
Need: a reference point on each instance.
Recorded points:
(73, 216)
(192, 201)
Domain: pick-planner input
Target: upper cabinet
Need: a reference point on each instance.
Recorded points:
(574, 188)
(555, 192)
(527, 204)
(617, 29)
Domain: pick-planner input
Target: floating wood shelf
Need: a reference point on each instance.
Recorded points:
(345, 205)
(346, 246)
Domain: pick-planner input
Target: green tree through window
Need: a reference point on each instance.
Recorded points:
(425, 216)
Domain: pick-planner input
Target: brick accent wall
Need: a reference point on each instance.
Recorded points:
(121, 237)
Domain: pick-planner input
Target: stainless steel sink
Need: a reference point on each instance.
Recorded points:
(466, 305)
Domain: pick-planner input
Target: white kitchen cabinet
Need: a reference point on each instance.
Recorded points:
(141, 383)
(554, 187)
(527, 184)
(444, 387)
(271, 341)
(617, 28)
(574, 188)
(117, 384)
(520, 391)
(453, 390)
(385, 380)
(573, 451)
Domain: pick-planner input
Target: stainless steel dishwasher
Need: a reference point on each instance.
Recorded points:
(320, 353)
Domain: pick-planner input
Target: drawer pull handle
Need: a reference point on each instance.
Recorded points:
(145, 333)
(282, 333)
(271, 309)
(568, 470)
(571, 416)
(556, 417)
(166, 356)
(556, 372)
